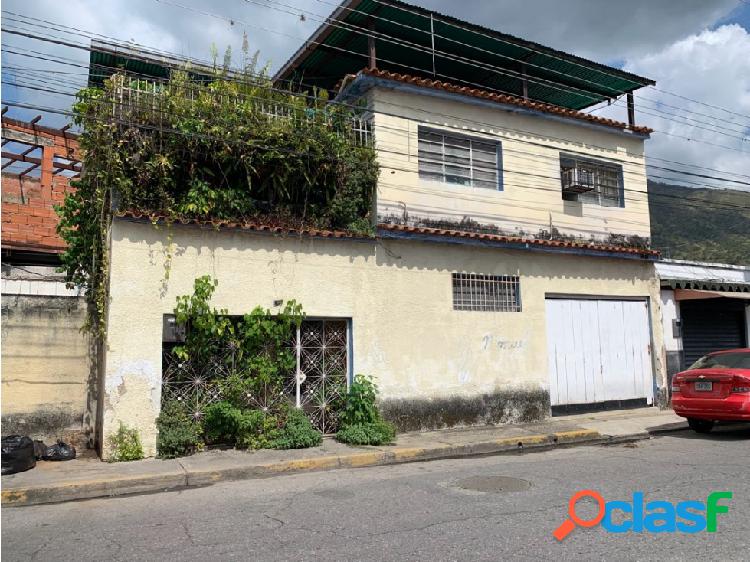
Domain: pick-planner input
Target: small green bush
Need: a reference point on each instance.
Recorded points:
(374, 433)
(125, 444)
(359, 403)
(179, 434)
(256, 430)
(221, 422)
(360, 420)
(297, 432)
(246, 429)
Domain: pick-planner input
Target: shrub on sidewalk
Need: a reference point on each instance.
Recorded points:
(255, 429)
(179, 434)
(297, 432)
(374, 433)
(221, 422)
(125, 444)
(360, 420)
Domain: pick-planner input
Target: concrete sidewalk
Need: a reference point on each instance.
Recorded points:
(86, 478)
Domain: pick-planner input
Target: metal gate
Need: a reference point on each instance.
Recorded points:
(711, 325)
(318, 383)
(322, 376)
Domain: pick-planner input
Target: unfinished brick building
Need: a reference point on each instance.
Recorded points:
(47, 379)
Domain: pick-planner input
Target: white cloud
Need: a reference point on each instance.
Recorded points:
(602, 30)
(711, 66)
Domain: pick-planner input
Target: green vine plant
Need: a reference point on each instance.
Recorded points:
(231, 148)
(248, 359)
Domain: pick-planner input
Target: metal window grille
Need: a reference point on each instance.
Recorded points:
(490, 293)
(458, 159)
(362, 131)
(591, 182)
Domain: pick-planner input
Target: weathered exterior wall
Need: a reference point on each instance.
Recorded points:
(397, 293)
(47, 382)
(531, 199)
(702, 272)
(672, 338)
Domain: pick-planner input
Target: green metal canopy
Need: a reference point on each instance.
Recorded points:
(107, 57)
(411, 40)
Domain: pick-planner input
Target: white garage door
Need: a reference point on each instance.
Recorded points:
(599, 351)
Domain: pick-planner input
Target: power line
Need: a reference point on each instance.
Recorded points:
(404, 130)
(475, 31)
(386, 166)
(683, 137)
(517, 140)
(471, 62)
(414, 68)
(492, 125)
(493, 53)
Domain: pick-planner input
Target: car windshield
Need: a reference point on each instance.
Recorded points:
(736, 360)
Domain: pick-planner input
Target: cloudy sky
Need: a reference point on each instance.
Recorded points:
(699, 49)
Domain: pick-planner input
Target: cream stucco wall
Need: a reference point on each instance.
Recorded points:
(397, 294)
(531, 198)
(47, 378)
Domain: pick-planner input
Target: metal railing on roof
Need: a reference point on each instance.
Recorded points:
(136, 100)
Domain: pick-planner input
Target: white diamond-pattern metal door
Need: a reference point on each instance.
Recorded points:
(194, 387)
(322, 370)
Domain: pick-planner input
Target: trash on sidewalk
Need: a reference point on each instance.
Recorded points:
(60, 451)
(17, 454)
(40, 449)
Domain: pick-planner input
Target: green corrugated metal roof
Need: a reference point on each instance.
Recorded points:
(106, 58)
(339, 48)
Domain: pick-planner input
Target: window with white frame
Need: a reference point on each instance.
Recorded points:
(459, 159)
(591, 181)
(491, 293)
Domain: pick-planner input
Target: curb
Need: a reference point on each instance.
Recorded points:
(80, 490)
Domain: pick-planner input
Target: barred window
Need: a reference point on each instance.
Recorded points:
(591, 181)
(494, 293)
(459, 159)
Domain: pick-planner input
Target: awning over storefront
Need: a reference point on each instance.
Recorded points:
(691, 294)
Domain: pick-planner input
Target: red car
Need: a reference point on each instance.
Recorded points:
(715, 388)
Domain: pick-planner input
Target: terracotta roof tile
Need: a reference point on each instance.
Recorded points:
(243, 225)
(601, 247)
(318, 233)
(502, 98)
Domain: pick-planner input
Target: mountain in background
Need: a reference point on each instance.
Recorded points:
(700, 224)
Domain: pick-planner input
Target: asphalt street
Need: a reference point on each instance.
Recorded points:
(491, 508)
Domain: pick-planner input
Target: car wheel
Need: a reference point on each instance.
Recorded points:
(700, 426)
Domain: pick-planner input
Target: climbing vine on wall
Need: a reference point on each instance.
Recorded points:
(235, 148)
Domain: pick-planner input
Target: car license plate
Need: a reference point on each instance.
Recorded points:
(704, 386)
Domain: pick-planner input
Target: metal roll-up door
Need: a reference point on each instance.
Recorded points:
(711, 325)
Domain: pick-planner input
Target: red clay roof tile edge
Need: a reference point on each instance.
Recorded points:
(247, 225)
(305, 231)
(519, 240)
(502, 98)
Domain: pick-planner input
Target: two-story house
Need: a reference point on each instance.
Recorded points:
(510, 275)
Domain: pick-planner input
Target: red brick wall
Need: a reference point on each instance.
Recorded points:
(28, 217)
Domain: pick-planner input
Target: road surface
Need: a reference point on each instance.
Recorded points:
(491, 508)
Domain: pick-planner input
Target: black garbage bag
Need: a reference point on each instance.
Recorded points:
(40, 449)
(17, 454)
(60, 451)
